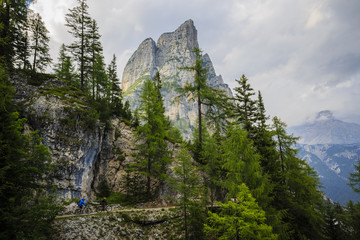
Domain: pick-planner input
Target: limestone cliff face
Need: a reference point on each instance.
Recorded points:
(172, 52)
(86, 150)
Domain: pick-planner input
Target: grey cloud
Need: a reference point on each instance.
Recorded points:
(298, 53)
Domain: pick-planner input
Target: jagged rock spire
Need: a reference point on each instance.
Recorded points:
(172, 51)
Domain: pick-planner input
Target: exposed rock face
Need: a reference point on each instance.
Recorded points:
(172, 52)
(331, 147)
(86, 150)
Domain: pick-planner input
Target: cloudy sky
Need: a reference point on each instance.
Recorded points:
(303, 55)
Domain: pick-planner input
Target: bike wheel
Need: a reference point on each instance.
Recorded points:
(99, 208)
(87, 211)
(77, 211)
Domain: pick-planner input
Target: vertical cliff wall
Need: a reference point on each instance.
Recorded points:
(171, 52)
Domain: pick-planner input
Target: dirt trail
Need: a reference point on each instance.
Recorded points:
(115, 210)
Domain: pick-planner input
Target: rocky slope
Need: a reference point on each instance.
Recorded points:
(87, 151)
(331, 147)
(158, 223)
(171, 52)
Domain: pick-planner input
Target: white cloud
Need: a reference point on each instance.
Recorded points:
(304, 55)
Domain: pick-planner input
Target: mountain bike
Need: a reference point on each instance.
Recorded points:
(106, 208)
(86, 210)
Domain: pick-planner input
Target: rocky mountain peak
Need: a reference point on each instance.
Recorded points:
(324, 115)
(326, 129)
(173, 51)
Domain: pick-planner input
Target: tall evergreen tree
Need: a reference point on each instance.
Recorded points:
(203, 94)
(13, 17)
(95, 49)
(187, 183)
(64, 68)
(245, 106)
(26, 211)
(153, 153)
(101, 88)
(23, 51)
(297, 191)
(79, 22)
(239, 219)
(354, 179)
(241, 164)
(115, 90)
(40, 42)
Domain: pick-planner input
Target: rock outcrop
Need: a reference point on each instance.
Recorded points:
(86, 150)
(171, 52)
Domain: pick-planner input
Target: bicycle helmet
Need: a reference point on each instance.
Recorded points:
(83, 199)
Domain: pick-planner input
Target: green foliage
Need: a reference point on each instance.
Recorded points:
(104, 189)
(187, 183)
(239, 219)
(245, 106)
(352, 216)
(39, 42)
(34, 78)
(27, 209)
(204, 95)
(153, 155)
(354, 179)
(297, 191)
(79, 22)
(241, 164)
(64, 68)
(13, 16)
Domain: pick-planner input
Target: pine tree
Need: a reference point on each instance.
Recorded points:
(26, 209)
(13, 16)
(297, 191)
(354, 179)
(115, 93)
(23, 50)
(79, 22)
(95, 50)
(187, 183)
(64, 68)
(100, 80)
(40, 43)
(245, 106)
(239, 219)
(153, 153)
(242, 164)
(204, 95)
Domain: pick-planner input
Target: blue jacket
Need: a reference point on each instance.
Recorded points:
(82, 203)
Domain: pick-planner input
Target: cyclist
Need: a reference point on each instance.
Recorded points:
(103, 203)
(82, 205)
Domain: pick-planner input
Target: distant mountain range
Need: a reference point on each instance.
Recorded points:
(331, 147)
(327, 130)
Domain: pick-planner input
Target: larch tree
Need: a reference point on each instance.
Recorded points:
(241, 218)
(245, 106)
(13, 21)
(153, 154)
(115, 90)
(187, 183)
(64, 68)
(96, 50)
(354, 179)
(27, 208)
(204, 95)
(79, 22)
(39, 43)
(297, 191)
(242, 164)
